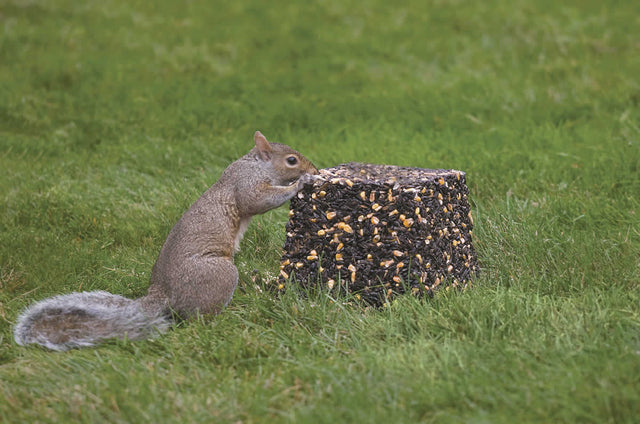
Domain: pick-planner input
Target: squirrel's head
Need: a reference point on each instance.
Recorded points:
(288, 164)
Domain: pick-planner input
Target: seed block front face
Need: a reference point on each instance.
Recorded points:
(378, 231)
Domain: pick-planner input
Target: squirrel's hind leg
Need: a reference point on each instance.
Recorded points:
(206, 286)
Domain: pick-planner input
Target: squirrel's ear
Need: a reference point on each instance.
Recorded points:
(264, 148)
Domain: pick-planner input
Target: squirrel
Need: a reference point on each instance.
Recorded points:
(194, 273)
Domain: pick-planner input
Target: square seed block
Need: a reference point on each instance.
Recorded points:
(379, 230)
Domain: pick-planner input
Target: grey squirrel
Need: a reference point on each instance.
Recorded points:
(194, 273)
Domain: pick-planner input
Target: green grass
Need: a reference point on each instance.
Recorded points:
(116, 115)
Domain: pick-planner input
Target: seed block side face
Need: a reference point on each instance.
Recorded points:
(378, 231)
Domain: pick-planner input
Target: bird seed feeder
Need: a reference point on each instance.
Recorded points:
(377, 231)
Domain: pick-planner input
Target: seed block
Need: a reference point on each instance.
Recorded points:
(378, 231)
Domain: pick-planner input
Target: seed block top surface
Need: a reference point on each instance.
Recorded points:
(395, 176)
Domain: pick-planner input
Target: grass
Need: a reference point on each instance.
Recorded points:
(115, 116)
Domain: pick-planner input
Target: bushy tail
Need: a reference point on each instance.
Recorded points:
(85, 319)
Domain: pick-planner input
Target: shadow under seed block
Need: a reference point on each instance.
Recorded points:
(378, 230)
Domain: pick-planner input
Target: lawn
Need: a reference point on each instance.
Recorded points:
(115, 115)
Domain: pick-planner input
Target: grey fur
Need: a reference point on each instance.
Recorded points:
(105, 315)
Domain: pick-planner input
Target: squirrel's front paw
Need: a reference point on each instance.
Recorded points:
(306, 179)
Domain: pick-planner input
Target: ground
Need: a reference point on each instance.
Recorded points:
(116, 115)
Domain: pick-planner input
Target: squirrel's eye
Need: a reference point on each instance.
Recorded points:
(292, 160)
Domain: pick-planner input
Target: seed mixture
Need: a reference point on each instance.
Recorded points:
(378, 231)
